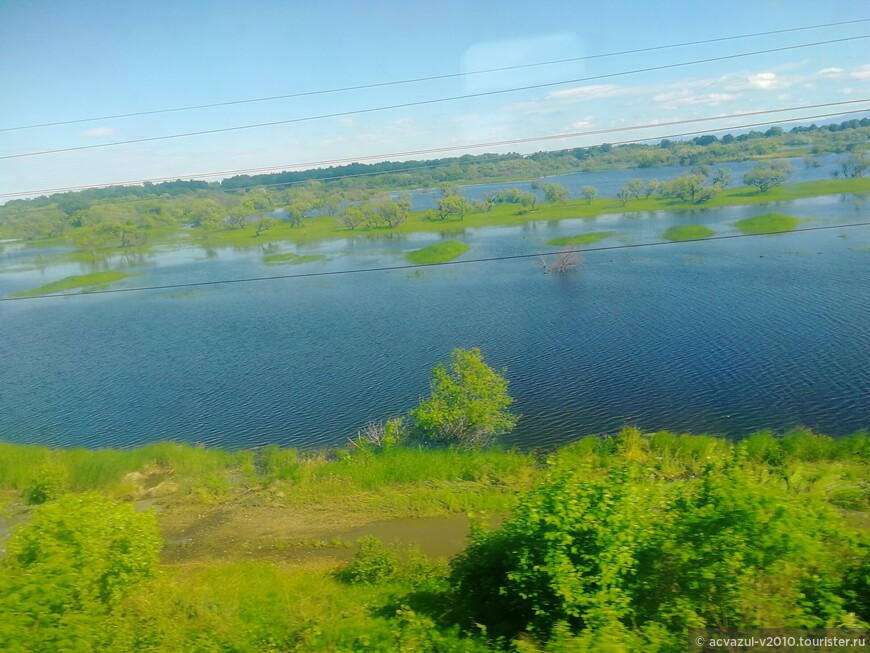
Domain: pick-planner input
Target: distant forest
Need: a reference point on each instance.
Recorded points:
(808, 141)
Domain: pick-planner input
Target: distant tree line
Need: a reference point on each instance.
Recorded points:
(128, 217)
(845, 137)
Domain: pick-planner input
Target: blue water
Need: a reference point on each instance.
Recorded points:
(721, 337)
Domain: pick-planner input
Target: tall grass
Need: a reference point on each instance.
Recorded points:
(406, 479)
(392, 481)
(399, 465)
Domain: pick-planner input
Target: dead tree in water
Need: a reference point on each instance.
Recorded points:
(561, 263)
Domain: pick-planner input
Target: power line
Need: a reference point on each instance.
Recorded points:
(454, 148)
(418, 103)
(433, 77)
(388, 268)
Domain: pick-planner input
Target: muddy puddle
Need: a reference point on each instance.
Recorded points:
(280, 535)
(433, 536)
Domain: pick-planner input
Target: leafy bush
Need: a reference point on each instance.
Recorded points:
(469, 402)
(68, 568)
(49, 482)
(373, 563)
(617, 549)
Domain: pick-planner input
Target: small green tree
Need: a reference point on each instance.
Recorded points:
(451, 205)
(854, 165)
(765, 176)
(555, 193)
(469, 402)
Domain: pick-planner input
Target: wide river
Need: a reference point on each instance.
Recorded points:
(721, 337)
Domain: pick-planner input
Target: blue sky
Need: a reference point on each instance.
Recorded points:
(72, 60)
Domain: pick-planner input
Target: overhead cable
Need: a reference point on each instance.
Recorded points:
(388, 268)
(418, 103)
(453, 148)
(432, 77)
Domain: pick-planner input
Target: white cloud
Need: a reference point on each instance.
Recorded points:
(765, 81)
(847, 91)
(99, 132)
(348, 122)
(583, 93)
(861, 72)
(581, 124)
(685, 97)
(830, 72)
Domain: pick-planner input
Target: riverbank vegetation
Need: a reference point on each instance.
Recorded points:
(102, 245)
(625, 541)
(318, 205)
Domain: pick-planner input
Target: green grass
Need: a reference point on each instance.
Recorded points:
(688, 232)
(81, 281)
(290, 258)
(582, 239)
(437, 253)
(398, 482)
(767, 223)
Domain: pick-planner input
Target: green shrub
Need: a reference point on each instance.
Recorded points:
(618, 549)
(468, 404)
(49, 482)
(373, 563)
(69, 568)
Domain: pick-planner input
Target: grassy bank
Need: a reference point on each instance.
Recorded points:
(253, 546)
(84, 282)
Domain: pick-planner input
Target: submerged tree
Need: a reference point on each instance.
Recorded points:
(765, 176)
(854, 165)
(555, 193)
(468, 404)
